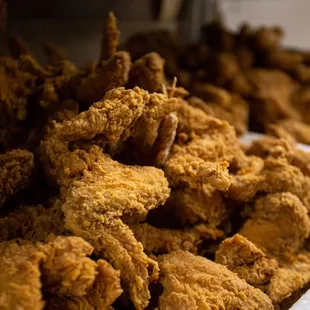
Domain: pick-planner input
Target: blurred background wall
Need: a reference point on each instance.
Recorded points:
(77, 24)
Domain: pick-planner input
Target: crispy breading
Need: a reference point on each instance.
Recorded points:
(190, 206)
(20, 285)
(32, 223)
(65, 266)
(161, 241)
(194, 282)
(250, 263)
(93, 207)
(281, 215)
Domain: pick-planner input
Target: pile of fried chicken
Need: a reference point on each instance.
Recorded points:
(117, 191)
(245, 77)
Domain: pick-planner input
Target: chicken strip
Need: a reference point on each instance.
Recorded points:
(161, 241)
(16, 173)
(194, 282)
(93, 207)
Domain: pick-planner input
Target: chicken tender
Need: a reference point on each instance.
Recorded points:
(194, 282)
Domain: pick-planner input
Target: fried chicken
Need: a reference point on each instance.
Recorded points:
(33, 223)
(110, 38)
(110, 74)
(224, 105)
(63, 267)
(161, 241)
(299, 130)
(194, 282)
(282, 283)
(190, 206)
(93, 207)
(281, 215)
(277, 175)
(147, 72)
(247, 261)
(19, 277)
(16, 173)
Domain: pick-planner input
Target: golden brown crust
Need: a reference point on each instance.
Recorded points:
(194, 282)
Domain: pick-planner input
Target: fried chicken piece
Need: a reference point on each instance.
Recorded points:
(166, 135)
(161, 241)
(280, 283)
(225, 106)
(29, 64)
(102, 118)
(267, 39)
(271, 96)
(16, 173)
(154, 132)
(200, 104)
(194, 282)
(110, 38)
(20, 285)
(195, 172)
(300, 100)
(110, 74)
(284, 284)
(277, 175)
(299, 130)
(67, 271)
(281, 215)
(111, 71)
(147, 72)
(284, 60)
(219, 137)
(281, 139)
(65, 268)
(33, 223)
(116, 190)
(242, 257)
(190, 206)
